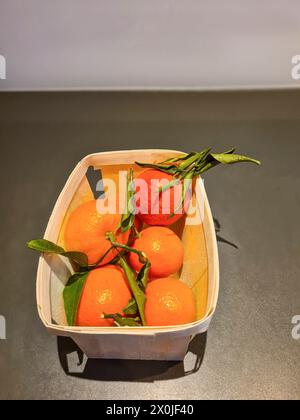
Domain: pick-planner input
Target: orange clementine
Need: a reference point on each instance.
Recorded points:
(155, 208)
(169, 302)
(106, 291)
(162, 247)
(86, 229)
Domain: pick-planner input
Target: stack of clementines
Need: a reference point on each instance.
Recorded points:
(107, 289)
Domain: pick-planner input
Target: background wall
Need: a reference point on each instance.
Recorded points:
(79, 44)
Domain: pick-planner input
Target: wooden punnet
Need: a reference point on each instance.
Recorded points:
(200, 272)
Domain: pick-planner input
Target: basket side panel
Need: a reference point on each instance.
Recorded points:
(133, 347)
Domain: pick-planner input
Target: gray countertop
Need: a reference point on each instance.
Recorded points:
(249, 351)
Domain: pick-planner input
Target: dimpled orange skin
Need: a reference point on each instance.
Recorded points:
(162, 247)
(144, 201)
(86, 229)
(106, 291)
(169, 302)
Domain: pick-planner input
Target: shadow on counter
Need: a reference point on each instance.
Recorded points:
(220, 238)
(75, 364)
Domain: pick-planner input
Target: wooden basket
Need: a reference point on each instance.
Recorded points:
(200, 271)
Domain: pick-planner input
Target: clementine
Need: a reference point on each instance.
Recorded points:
(162, 247)
(156, 208)
(169, 302)
(86, 229)
(106, 291)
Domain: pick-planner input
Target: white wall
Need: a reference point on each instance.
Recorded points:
(86, 44)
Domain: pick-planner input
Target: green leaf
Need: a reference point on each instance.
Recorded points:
(205, 166)
(78, 257)
(193, 158)
(230, 151)
(122, 321)
(169, 169)
(231, 158)
(126, 223)
(143, 276)
(131, 307)
(138, 293)
(72, 295)
(188, 162)
(208, 162)
(176, 159)
(42, 245)
(214, 159)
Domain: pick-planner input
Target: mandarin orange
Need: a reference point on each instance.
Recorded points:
(162, 247)
(106, 291)
(155, 208)
(169, 302)
(86, 231)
